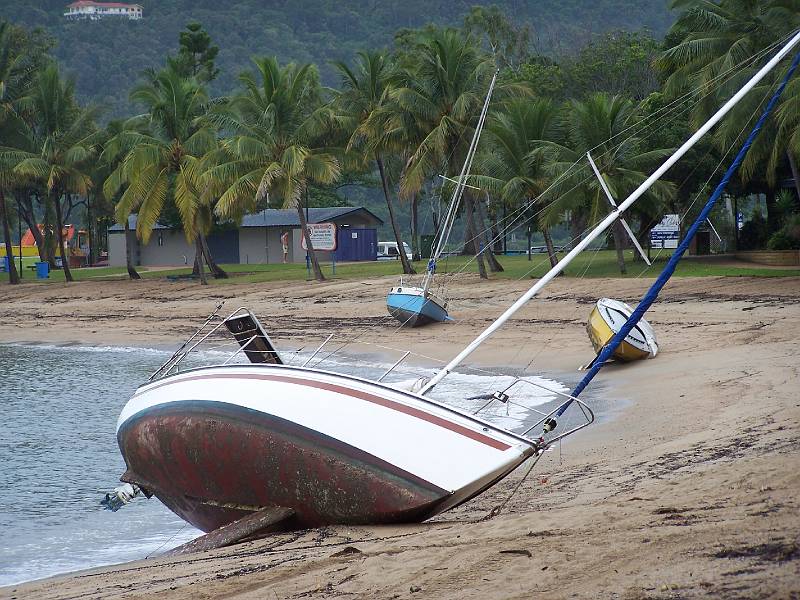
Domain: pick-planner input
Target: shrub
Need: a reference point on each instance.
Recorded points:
(788, 236)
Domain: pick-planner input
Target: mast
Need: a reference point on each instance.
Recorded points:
(652, 293)
(612, 216)
(452, 208)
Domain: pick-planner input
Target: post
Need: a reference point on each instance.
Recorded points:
(19, 233)
(266, 233)
(308, 256)
(89, 260)
(333, 262)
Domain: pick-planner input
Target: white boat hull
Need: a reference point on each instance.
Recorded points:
(216, 443)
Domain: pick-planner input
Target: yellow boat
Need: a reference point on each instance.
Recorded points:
(607, 318)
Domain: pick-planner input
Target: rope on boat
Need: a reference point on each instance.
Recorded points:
(511, 220)
(652, 294)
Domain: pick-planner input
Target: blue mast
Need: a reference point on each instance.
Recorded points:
(652, 293)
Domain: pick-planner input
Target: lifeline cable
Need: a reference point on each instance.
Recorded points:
(650, 297)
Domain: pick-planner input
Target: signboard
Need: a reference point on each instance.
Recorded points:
(323, 236)
(667, 233)
(739, 220)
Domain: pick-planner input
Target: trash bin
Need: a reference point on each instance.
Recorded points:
(6, 266)
(42, 270)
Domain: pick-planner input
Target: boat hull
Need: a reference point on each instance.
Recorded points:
(414, 309)
(216, 444)
(607, 318)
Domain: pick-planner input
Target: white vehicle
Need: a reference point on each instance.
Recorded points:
(388, 251)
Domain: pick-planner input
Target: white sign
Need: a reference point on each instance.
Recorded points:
(667, 233)
(323, 236)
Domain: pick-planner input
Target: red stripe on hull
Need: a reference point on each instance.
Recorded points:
(339, 389)
(197, 455)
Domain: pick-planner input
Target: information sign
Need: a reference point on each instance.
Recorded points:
(323, 236)
(667, 233)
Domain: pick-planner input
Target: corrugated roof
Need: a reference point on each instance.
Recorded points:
(285, 217)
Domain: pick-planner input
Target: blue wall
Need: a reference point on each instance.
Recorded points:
(224, 246)
(356, 244)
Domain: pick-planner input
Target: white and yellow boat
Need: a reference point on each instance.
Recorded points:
(606, 319)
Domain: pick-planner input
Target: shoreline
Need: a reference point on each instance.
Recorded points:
(688, 489)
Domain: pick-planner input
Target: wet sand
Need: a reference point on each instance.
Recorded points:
(690, 491)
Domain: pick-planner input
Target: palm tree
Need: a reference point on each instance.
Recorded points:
(278, 144)
(596, 124)
(514, 163)
(9, 75)
(442, 95)
(63, 145)
(364, 96)
(106, 166)
(715, 40)
(162, 151)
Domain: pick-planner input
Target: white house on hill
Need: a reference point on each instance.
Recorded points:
(87, 9)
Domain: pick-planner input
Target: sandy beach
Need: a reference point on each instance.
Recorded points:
(688, 487)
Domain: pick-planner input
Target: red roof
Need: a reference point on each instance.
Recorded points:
(81, 3)
(29, 240)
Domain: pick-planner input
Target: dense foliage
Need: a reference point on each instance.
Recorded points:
(106, 56)
(397, 121)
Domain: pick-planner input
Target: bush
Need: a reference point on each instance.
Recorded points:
(754, 234)
(788, 236)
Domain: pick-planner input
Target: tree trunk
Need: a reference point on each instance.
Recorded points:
(215, 269)
(132, 272)
(89, 231)
(773, 216)
(530, 236)
(407, 268)
(49, 246)
(416, 251)
(551, 249)
(618, 234)
(795, 172)
(473, 238)
(311, 254)
(483, 234)
(198, 261)
(13, 276)
(60, 237)
(577, 223)
(26, 210)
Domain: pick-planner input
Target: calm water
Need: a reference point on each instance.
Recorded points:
(58, 454)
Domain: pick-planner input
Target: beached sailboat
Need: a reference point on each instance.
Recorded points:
(415, 305)
(250, 447)
(607, 318)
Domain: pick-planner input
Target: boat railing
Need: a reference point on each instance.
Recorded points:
(198, 341)
(246, 342)
(539, 431)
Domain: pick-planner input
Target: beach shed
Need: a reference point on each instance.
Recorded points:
(258, 240)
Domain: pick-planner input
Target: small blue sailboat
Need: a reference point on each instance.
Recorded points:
(418, 305)
(414, 306)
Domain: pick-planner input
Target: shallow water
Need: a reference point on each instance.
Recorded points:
(59, 456)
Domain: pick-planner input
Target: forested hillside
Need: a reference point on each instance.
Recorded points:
(105, 57)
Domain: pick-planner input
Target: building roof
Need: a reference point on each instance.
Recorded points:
(82, 3)
(284, 217)
(29, 240)
(287, 217)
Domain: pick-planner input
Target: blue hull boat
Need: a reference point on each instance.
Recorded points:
(413, 307)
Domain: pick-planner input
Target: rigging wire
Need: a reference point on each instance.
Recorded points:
(641, 125)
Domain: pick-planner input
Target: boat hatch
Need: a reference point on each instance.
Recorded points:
(253, 339)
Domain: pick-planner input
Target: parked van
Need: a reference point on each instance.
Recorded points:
(388, 251)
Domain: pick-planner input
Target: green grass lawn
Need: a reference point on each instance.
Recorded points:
(589, 264)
